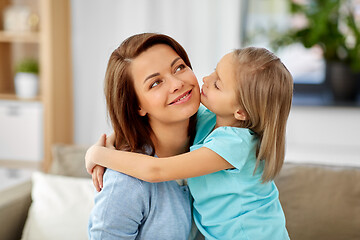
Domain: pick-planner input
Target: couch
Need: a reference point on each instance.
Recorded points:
(320, 202)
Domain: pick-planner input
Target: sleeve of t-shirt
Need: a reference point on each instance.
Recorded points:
(203, 112)
(202, 109)
(119, 208)
(205, 122)
(231, 144)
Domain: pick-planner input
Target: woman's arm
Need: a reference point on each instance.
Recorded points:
(192, 164)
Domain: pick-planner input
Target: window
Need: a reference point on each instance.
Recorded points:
(265, 19)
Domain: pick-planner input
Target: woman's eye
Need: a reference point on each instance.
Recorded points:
(154, 84)
(180, 67)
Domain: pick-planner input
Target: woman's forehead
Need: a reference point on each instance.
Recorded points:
(157, 50)
(154, 59)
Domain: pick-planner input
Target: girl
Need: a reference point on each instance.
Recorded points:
(128, 208)
(238, 149)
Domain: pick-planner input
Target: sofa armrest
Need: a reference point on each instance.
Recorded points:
(14, 205)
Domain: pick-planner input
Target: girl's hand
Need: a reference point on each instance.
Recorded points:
(91, 153)
(97, 177)
(110, 141)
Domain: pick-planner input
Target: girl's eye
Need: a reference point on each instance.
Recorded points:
(215, 85)
(180, 67)
(154, 84)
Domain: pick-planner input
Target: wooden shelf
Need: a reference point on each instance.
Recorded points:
(51, 46)
(20, 164)
(12, 96)
(21, 37)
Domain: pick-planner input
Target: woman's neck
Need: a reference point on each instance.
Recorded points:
(170, 139)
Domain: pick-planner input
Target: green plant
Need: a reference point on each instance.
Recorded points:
(331, 25)
(28, 66)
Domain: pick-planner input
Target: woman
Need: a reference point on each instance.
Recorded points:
(152, 98)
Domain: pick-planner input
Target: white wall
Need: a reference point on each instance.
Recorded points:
(206, 29)
(325, 135)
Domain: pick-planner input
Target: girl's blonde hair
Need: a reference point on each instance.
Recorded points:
(265, 93)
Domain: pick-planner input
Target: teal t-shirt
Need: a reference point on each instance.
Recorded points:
(233, 203)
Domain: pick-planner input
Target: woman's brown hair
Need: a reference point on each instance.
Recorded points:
(265, 93)
(132, 132)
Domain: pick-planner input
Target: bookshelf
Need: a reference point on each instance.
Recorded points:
(50, 44)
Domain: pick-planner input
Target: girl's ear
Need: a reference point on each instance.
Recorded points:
(240, 115)
(142, 112)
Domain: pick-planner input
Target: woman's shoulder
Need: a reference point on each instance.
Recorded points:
(111, 175)
(120, 182)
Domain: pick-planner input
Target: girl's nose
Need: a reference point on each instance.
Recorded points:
(205, 80)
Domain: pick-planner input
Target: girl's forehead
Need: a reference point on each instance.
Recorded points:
(226, 69)
(226, 60)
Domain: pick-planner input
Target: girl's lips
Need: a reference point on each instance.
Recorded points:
(202, 92)
(182, 98)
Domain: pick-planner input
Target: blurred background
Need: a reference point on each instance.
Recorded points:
(66, 45)
(53, 57)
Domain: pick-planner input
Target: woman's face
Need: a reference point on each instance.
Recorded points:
(167, 88)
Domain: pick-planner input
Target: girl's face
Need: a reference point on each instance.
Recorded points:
(167, 88)
(218, 91)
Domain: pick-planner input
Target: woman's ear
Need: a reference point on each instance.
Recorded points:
(240, 115)
(142, 112)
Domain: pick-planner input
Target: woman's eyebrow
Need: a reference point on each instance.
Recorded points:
(175, 60)
(151, 76)
(157, 74)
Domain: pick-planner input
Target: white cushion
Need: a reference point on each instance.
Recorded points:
(60, 209)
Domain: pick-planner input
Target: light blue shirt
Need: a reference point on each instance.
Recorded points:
(129, 208)
(233, 203)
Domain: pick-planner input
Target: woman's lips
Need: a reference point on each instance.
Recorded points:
(182, 98)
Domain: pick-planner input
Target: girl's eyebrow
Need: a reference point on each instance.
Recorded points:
(157, 74)
(217, 74)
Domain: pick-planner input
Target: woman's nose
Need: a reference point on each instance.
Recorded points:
(176, 84)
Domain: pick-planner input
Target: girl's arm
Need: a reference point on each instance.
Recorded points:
(151, 169)
(97, 177)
